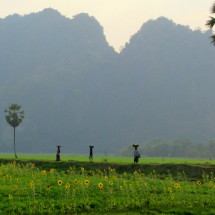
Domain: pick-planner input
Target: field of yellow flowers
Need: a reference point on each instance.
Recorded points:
(26, 189)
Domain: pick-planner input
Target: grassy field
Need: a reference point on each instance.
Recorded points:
(110, 159)
(36, 184)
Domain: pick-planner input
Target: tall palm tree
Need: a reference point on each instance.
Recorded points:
(14, 116)
(211, 22)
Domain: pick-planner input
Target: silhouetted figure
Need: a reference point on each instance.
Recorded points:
(58, 153)
(136, 153)
(91, 153)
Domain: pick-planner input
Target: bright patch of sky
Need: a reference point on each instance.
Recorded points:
(119, 18)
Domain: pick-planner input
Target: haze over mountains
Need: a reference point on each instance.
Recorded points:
(77, 91)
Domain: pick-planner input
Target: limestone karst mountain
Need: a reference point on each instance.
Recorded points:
(77, 91)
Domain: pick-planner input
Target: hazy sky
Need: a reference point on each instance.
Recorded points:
(120, 18)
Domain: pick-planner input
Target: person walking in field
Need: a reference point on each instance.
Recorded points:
(91, 153)
(58, 153)
(136, 153)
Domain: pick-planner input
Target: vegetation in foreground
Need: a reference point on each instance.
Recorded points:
(27, 189)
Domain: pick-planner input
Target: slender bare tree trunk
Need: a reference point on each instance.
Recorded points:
(14, 141)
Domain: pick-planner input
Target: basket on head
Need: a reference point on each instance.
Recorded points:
(135, 146)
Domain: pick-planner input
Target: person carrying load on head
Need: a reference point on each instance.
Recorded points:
(136, 153)
(58, 153)
(91, 153)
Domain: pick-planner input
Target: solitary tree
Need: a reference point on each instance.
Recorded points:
(14, 116)
(211, 22)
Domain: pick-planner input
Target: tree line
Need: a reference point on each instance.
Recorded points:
(180, 147)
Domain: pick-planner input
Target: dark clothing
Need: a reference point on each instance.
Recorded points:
(91, 153)
(136, 159)
(58, 154)
(136, 156)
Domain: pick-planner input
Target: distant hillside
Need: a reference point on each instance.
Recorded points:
(77, 91)
(170, 73)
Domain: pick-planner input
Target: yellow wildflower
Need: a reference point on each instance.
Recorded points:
(87, 182)
(67, 186)
(60, 182)
(176, 185)
(52, 170)
(199, 182)
(100, 185)
(43, 172)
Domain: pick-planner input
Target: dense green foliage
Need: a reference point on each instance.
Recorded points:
(26, 189)
(181, 147)
(77, 91)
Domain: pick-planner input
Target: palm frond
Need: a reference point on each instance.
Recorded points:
(210, 23)
(213, 40)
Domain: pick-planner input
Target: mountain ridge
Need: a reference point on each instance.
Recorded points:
(77, 91)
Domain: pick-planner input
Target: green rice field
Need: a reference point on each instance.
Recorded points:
(111, 158)
(37, 184)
